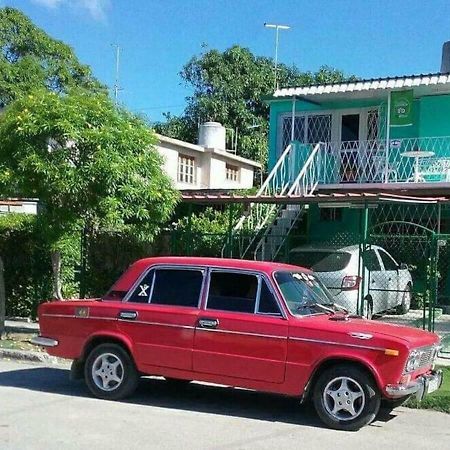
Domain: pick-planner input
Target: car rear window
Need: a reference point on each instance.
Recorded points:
(321, 261)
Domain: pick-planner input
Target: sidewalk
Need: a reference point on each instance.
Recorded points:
(21, 326)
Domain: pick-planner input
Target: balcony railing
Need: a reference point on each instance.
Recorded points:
(371, 162)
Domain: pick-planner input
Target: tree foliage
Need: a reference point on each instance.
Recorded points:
(30, 59)
(229, 87)
(90, 165)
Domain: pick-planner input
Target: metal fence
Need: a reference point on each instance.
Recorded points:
(394, 265)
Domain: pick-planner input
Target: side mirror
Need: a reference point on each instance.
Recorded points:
(404, 266)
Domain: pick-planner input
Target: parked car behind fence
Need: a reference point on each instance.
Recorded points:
(375, 279)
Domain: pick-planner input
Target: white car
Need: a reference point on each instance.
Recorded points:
(385, 284)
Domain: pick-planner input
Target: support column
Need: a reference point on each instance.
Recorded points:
(388, 137)
(364, 236)
(230, 230)
(293, 120)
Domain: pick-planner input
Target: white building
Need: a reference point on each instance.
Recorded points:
(25, 206)
(206, 165)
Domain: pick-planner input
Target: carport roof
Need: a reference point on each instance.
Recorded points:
(351, 198)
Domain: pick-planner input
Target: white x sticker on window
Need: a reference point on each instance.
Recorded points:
(143, 288)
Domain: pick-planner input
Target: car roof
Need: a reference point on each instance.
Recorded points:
(330, 248)
(243, 264)
(127, 279)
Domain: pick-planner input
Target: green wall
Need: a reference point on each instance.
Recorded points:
(435, 116)
(431, 117)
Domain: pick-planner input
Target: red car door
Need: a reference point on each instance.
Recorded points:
(160, 316)
(241, 332)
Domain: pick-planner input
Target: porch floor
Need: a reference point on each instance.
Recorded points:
(436, 189)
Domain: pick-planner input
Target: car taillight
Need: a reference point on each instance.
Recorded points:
(350, 283)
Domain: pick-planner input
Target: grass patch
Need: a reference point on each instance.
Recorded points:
(439, 400)
(17, 341)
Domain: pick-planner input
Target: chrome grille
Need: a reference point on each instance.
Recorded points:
(427, 355)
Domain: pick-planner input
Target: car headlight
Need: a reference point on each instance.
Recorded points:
(413, 362)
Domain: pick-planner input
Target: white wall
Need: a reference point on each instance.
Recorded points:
(210, 165)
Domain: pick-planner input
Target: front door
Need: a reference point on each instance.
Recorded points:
(349, 148)
(375, 281)
(160, 316)
(241, 331)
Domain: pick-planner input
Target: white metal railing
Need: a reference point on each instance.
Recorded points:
(371, 162)
(304, 184)
(310, 174)
(278, 182)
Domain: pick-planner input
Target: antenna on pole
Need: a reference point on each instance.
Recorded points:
(116, 81)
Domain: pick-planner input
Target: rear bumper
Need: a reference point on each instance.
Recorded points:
(44, 341)
(418, 387)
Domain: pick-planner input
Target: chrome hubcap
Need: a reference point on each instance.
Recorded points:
(344, 398)
(107, 372)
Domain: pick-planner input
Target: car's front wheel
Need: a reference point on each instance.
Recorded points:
(110, 372)
(346, 397)
(367, 308)
(404, 306)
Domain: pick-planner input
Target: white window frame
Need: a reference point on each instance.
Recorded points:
(183, 172)
(336, 122)
(232, 173)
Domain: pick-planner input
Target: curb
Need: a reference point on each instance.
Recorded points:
(22, 355)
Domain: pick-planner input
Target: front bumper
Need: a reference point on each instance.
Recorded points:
(419, 387)
(44, 341)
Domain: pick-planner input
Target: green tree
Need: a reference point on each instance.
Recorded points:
(90, 164)
(30, 59)
(229, 87)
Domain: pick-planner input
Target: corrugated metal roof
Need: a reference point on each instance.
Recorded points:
(373, 84)
(348, 197)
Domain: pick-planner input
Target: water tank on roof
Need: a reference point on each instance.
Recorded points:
(212, 135)
(445, 62)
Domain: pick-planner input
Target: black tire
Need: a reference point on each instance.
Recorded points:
(389, 405)
(126, 370)
(368, 308)
(404, 306)
(366, 406)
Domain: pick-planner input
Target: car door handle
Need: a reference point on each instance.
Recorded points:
(128, 315)
(208, 323)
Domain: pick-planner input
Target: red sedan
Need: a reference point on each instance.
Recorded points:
(259, 325)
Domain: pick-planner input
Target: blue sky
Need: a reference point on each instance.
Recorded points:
(368, 38)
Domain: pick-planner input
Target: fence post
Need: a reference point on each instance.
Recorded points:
(230, 230)
(2, 300)
(83, 265)
(364, 221)
(433, 280)
(188, 240)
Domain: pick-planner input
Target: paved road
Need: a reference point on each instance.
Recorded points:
(41, 409)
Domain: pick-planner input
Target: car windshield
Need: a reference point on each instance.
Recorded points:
(303, 292)
(321, 261)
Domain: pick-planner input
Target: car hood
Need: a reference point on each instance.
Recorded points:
(361, 331)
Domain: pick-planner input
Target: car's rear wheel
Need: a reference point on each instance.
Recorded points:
(404, 306)
(110, 372)
(346, 397)
(367, 308)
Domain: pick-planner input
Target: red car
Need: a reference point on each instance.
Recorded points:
(258, 325)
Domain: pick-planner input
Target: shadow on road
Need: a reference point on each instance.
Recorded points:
(193, 397)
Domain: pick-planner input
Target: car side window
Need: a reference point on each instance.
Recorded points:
(388, 262)
(177, 287)
(371, 261)
(267, 301)
(230, 291)
(141, 293)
